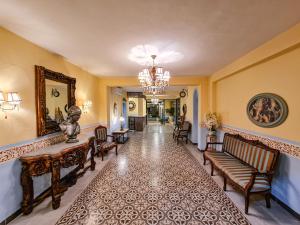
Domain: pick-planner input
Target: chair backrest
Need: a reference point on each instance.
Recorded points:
(252, 152)
(101, 133)
(186, 126)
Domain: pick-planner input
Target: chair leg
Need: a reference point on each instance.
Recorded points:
(246, 203)
(225, 183)
(186, 141)
(102, 154)
(212, 169)
(116, 149)
(204, 159)
(177, 140)
(268, 199)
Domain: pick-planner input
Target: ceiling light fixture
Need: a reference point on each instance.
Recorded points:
(154, 79)
(154, 100)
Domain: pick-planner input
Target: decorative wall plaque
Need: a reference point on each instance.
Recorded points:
(131, 105)
(267, 110)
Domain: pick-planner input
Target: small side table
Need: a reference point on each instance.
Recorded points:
(121, 136)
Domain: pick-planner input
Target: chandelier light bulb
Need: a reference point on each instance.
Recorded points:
(154, 79)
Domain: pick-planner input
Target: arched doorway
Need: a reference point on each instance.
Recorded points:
(194, 136)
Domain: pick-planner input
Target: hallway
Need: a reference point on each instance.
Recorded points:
(153, 181)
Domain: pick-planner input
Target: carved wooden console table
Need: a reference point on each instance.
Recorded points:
(50, 160)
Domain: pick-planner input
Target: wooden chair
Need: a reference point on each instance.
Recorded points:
(182, 133)
(102, 143)
(178, 125)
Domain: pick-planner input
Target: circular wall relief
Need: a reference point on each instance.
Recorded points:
(131, 105)
(182, 94)
(267, 110)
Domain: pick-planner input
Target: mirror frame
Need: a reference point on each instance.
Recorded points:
(41, 74)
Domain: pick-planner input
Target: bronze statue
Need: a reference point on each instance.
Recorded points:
(70, 126)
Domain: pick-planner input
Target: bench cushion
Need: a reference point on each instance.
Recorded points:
(237, 171)
(242, 176)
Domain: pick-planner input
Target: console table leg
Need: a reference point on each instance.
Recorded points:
(55, 181)
(26, 181)
(93, 163)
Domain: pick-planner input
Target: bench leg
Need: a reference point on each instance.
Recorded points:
(246, 203)
(186, 141)
(225, 183)
(204, 159)
(212, 169)
(268, 198)
(116, 149)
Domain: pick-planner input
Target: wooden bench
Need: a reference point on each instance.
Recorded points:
(248, 165)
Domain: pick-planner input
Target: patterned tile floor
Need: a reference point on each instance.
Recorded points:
(153, 197)
(153, 181)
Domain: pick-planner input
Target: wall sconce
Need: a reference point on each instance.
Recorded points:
(12, 101)
(86, 106)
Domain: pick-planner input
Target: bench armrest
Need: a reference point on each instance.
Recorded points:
(255, 174)
(270, 173)
(212, 143)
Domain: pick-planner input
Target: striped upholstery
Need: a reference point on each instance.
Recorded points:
(256, 156)
(242, 175)
(101, 133)
(237, 171)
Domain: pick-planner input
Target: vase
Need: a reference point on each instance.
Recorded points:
(212, 132)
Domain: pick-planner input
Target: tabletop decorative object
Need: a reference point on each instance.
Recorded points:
(70, 126)
(211, 123)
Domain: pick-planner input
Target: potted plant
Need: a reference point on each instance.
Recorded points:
(212, 123)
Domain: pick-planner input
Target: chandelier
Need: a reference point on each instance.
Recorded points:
(154, 100)
(154, 79)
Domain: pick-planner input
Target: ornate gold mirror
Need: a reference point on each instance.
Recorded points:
(55, 93)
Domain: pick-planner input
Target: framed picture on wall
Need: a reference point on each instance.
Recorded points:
(267, 110)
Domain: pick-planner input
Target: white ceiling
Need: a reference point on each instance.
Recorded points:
(98, 35)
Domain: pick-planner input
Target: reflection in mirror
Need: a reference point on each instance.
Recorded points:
(56, 102)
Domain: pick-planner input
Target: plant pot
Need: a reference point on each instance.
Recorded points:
(212, 132)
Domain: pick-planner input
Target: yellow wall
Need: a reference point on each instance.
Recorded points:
(274, 67)
(202, 101)
(17, 60)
